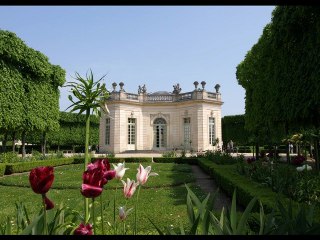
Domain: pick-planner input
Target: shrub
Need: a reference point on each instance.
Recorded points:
(187, 160)
(298, 160)
(222, 158)
(9, 157)
(251, 160)
(27, 166)
(169, 154)
(2, 169)
(78, 160)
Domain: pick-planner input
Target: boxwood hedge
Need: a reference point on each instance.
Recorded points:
(27, 166)
(2, 169)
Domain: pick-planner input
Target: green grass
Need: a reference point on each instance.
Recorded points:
(162, 198)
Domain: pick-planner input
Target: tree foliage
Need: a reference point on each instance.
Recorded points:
(29, 87)
(280, 74)
(72, 130)
(233, 129)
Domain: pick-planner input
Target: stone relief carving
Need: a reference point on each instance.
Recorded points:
(159, 115)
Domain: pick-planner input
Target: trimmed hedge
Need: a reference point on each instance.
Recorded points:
(27, 166)
(117, 160)
(192, 161)
(2, 169)
(229, 180)
(244, 149)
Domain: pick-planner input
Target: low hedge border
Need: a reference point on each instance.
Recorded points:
(117, 160)
(2, 169)
(191, 161)
(27, 166)
(228, 180)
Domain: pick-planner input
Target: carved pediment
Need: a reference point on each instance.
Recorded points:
(159, 115)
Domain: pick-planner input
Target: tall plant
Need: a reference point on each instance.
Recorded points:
(90, 98)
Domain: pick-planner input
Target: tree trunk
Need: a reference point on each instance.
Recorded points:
(257, 151)
(23, 144)
(316, 152)
(13, 142)
(4, 142)
(286, 127)
(43, 143)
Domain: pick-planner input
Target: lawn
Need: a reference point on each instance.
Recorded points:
(162, 198)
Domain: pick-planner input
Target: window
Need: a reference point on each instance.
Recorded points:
(212, 136)
(187, 132)
(131, 130)
(160, 133)
(107, 139)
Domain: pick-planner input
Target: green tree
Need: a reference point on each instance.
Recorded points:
(29, 89)
(281, 74)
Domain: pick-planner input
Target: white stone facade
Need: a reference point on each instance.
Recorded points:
(161, 121)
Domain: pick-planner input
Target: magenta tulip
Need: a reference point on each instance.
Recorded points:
(41, 179)
(83, 229)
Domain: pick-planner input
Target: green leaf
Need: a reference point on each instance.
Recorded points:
(158, 229)
(233, 213)
(241, 228)
(194, 226)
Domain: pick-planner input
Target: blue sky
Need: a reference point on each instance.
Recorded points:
(154, 45)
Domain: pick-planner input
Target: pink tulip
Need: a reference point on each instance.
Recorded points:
(129, 187)
(123, 213)
(120, 170)
(144, 173)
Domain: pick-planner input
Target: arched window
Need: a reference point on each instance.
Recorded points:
(160, 133)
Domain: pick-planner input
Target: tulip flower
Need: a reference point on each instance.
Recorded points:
(304, 167)
(103, 165)
(49, 204)
(83, 229)
(120, 170)
(41, 179)
(123, 213)
(93, 181)
(144, 173)
(129, 187)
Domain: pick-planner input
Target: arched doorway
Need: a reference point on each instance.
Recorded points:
(160, 134)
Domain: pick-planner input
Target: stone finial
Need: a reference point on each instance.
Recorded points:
(217, 87)
(121, 84)
(203, 84)
(196, 85)
(176, 88)
(144, 89)
(114, 85)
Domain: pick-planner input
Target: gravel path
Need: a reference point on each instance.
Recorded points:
(208, 185)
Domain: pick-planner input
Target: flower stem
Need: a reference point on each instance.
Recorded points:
(86, 209)
(101, 209)
(86, 159)
(45, 226)
(135, 212)
(93, 218)
(114, 212)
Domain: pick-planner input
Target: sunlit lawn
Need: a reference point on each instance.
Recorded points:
(162, 198)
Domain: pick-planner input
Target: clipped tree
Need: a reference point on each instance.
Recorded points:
(281, 74)
(71, 131)
(29, 89)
